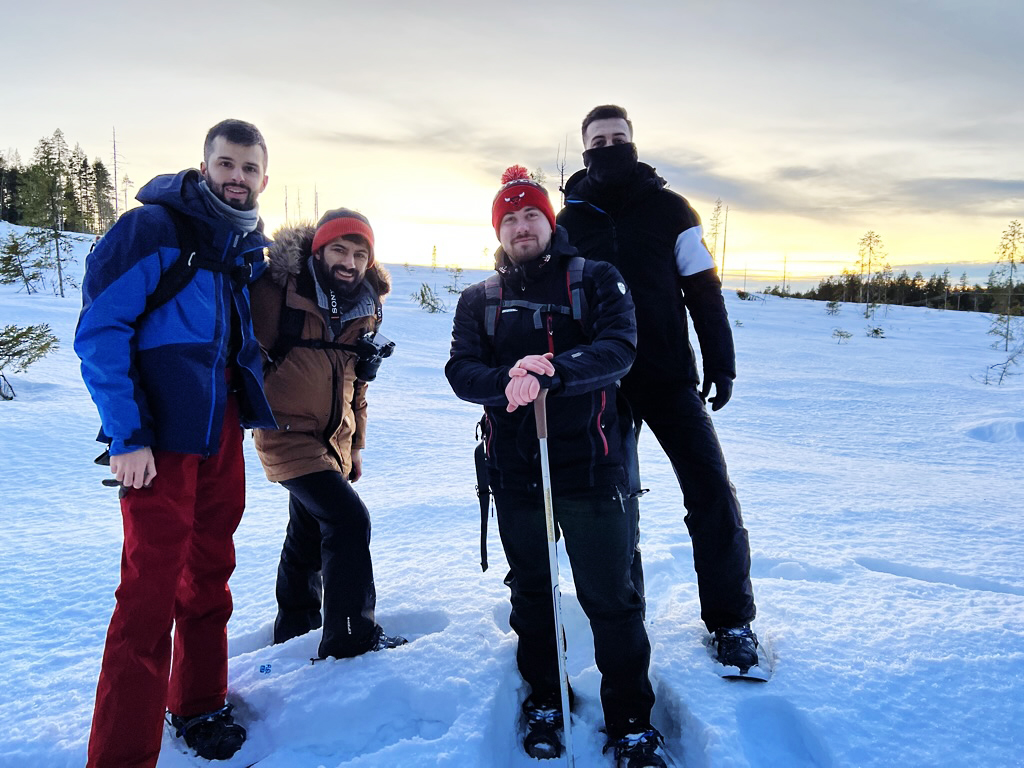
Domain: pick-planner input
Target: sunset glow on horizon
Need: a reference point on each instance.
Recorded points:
(814, 124)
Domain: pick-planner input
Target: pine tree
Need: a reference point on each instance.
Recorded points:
(714, 223)
(83, 191)
(47, 203)
(428, 299)
(1001, 282)
(870, 254)
(19, 263)
(103, 194)
(11, 172)
(20, 346)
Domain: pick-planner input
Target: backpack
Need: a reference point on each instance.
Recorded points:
(493, 306)
(174, 280)
(494, 303)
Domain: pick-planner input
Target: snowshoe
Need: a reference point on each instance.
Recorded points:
(638, 750)
(736, 647)
(543, 739)
(213, 735)
(383, 642)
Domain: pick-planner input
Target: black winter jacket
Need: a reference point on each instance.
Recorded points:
(586, 420)
(635, 227)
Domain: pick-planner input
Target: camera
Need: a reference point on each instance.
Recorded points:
(371, 349)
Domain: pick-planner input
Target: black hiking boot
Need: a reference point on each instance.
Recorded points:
(383, 642)
(638, 750)
(543, 739)
(213, 736)
(736, 647)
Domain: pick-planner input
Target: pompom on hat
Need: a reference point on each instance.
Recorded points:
(339, 223)
(519, 191)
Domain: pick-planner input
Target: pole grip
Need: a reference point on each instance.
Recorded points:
(540, 413)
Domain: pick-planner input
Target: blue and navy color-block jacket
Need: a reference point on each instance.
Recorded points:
(158, 379)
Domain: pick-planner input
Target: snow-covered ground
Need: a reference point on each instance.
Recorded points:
(880, 481)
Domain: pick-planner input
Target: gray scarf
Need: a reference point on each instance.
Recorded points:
(243, 221)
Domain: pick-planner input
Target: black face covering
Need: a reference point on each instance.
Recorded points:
(611, 165)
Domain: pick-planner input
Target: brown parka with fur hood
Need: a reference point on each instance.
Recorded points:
(319, 404)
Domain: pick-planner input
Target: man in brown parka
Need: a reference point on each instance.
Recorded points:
(316, 313)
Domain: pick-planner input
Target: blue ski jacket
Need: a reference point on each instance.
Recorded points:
(159, 378)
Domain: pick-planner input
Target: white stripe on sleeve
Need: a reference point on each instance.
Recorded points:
(692, 255)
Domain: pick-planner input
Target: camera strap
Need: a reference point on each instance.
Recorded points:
(334, 312)
(292, 321)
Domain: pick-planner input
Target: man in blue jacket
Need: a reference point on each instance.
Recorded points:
(174, 384)
(549, 319)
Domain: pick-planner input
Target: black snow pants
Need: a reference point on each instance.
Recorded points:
(599, 529)
(326, 558)
(721, 549)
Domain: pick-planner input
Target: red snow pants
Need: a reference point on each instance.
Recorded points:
(178, 555)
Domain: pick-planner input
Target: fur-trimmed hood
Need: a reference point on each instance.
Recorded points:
(292, 247)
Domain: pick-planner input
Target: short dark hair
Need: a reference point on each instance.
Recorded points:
(605, 112)
(237, 132)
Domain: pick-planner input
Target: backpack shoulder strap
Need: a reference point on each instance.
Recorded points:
(492, 303)
(181, 272)
(289, 331)
(577, 297)
(574, 284)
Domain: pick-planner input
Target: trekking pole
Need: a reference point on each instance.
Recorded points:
(540, 413)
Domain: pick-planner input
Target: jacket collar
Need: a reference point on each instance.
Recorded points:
(521, 275)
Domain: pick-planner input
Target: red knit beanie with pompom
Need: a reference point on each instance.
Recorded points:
(519, 191)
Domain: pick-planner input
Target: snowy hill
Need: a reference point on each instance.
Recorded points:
(881, 487)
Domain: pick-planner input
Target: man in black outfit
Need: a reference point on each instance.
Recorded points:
(618, 210)
(549, 319)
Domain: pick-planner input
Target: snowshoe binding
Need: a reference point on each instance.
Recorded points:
(213, 735)
(383, 642)
(736, 647)
(638, 750)
(543, 722)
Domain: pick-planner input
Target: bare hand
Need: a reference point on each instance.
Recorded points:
(134, 470)
(539, 364)
(357, 465)
(521, 390)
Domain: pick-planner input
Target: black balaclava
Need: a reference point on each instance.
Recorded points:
(612, 165)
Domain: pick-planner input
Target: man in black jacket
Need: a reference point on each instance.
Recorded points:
(550, 320)
(618, 210)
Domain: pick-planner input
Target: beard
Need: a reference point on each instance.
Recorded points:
(344, 282)
(526, 249)
(239, 205)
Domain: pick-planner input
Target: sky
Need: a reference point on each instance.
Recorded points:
(814, 123)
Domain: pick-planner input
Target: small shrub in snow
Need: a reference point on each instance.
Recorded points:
(428, 300)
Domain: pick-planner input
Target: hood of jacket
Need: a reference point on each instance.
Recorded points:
(292, 248)
(644, 181)
(181, 191)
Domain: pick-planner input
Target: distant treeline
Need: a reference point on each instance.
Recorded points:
(937, 292)
(60, 189)
(873, 282)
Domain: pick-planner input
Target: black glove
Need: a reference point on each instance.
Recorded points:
(723, 390)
